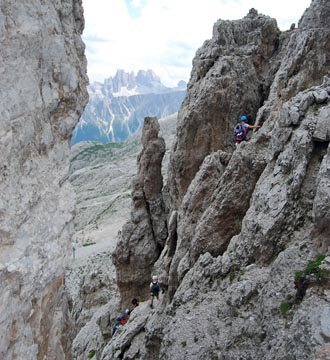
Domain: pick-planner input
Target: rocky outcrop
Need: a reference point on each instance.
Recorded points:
(275, 67)
(143, 237)
(231, 75)
(43, 94)
(245, 302)
(91, 283)
(305, 60)
(223, 217)
(245, 260)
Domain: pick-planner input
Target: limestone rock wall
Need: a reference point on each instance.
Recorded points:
(218, 93)
(245, 303)
(42, 95)
(246, 222)
(303, 64)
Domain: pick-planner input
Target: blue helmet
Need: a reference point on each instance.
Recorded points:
(243, 118)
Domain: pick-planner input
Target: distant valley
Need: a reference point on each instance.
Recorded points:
(101, 175)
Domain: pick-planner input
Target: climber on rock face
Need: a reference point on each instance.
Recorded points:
(242, 128)
(135, 303)
(154, 290)
(121, 320)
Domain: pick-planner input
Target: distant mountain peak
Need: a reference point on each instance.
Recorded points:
(117, 107)
(129, 84)
(182, 84)
(147, 76)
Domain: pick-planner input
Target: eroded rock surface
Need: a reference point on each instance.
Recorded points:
(143, 237)
(42, 95)
(91, 284)
(245, 302)
(246, 222)
(231, 75)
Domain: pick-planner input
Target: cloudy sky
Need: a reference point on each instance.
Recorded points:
(163, 35)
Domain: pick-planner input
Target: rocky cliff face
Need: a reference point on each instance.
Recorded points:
(245, 261)
(249, 46)
(43, 94)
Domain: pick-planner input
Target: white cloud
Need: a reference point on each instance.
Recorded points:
(136, 3)
(163, 35)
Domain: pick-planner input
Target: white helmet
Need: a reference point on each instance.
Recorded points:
(154, 277)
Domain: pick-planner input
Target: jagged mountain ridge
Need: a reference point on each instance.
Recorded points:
(127, 84)
(117, 107)
(244, 222)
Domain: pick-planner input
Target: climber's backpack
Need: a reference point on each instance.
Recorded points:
(155, 288)
(240, 132)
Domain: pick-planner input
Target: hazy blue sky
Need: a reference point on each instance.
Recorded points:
(163, 35)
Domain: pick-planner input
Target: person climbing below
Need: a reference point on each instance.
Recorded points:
(135, 303)
(121, 320)
(154, 290)
(241, 130)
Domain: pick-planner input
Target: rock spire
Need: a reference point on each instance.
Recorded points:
(143, 237)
